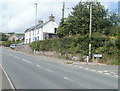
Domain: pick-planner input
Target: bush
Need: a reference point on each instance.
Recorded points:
(8, 43)
(78, 44)
(74, 44)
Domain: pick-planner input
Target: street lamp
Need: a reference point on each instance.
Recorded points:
(35, 26)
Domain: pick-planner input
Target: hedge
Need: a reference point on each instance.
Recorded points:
(79, 44)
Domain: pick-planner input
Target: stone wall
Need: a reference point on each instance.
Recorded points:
(60, 55)
(26, 48)
(23, 48)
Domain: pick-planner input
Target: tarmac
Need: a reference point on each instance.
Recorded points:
(4, 81)
(0, 79)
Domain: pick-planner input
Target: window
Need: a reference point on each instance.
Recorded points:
(33, 39)
(26, 41)
(38, 37)
(30, 33)
(26, 34)
(33, 32)
(38, 31)
(29, 40)
(55, 30)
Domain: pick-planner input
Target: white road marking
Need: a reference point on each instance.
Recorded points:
(26, 61)
(76, 82)
(10, 82)
(68, 79)
(37, 65)
(116, 76)
(87, 68)
(100, 71)
(16, 57)
(110, 70)
(107, 73)
(92, 70)
(113, 73)
(80, 67)
(44, 68)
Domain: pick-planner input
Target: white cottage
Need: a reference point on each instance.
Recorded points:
(42, 31)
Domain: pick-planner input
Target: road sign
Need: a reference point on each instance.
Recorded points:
(97, 55)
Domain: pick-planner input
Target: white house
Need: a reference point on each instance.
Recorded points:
(16, 37)
(41, 31)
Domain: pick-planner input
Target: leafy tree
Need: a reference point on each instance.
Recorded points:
(114, 19)
(3, 37)
(78, 21)
(11, 33)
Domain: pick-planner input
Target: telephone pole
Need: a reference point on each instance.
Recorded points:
(90, 27)
(63, 10)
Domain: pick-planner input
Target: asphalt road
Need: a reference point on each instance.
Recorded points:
(0, 69)
(0, 79)
(31, 72)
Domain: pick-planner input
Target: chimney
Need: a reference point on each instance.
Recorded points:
(51, 18)
(40, 22)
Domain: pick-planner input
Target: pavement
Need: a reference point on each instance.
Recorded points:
(29, 71)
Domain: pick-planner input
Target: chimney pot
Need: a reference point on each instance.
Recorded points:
(51, 17)
(40, 21)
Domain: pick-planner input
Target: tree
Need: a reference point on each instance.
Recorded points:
(3, 37)
(114, 19)
(78, 21)
(11, 33)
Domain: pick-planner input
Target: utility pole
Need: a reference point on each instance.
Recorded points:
(90, 27)
(35, 25)
(63, 10)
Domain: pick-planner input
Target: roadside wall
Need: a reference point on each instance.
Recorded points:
(60, 55)
(23, 48)
(27, 49)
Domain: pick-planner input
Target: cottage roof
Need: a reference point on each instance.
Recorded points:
(37, 26)
(19, 36)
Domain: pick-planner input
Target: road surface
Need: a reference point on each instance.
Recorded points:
(31, 72)
(0, 69)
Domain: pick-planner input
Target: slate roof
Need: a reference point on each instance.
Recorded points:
(18, 36)
(37, 26)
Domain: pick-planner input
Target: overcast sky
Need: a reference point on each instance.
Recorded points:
(18, 15)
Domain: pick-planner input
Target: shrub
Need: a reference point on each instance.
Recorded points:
(7, 43)
(78, 44)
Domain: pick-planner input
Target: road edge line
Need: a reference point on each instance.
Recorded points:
(10, 82)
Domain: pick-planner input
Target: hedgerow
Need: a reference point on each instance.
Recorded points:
(78, 44)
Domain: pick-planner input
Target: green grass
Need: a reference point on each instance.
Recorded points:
(113, 62)
(68, 62)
